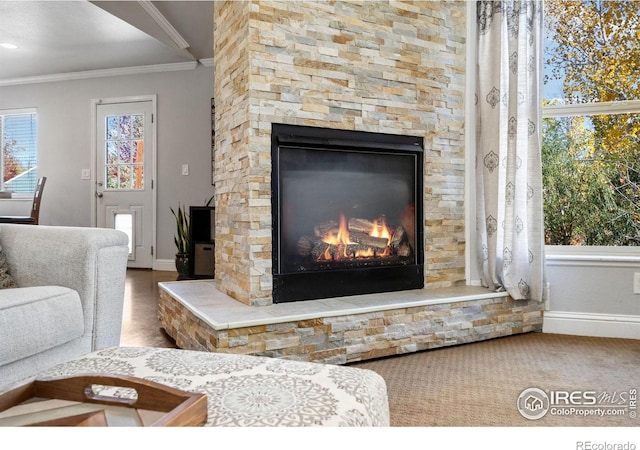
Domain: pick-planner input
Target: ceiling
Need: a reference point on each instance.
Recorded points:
(64, 37)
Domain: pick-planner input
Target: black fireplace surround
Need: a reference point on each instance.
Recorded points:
(347, 213)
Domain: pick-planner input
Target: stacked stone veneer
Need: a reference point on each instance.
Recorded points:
(357, 337)
(382, 66)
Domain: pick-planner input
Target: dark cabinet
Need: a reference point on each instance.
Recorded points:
(202, 261)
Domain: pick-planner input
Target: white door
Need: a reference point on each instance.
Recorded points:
(124, 162)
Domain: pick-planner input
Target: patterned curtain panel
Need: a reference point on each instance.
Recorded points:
(508, 163)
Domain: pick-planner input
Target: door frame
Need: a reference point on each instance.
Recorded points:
(154, 153)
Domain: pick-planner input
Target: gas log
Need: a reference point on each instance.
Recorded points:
(368, 241)
(364, 225)
(397, 238)
(406, 220)
(326, 229)
(307, 243)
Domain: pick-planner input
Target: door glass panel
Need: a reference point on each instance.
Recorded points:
(138, 127)
(137, 180)
(112, 152)
(124, 152)
(138, 160)
(125, 177)
(124, 222)
(112, 177)
(112, 127)
(125, 126)
(136, 151)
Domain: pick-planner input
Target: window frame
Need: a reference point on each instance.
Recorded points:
(13, 112)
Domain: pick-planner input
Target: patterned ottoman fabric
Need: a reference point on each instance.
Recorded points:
(250, 390)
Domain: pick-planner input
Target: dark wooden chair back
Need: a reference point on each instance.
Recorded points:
(37, 198)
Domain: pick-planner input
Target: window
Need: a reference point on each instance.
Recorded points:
(125, 152)
(591, 123)
(18, 135)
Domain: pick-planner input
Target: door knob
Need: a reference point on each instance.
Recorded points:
(99, 194)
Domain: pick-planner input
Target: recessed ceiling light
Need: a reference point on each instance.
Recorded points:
(8, 45)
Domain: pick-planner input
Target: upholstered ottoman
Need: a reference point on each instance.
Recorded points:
(250, 390)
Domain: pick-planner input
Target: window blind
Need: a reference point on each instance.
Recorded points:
(18, 134)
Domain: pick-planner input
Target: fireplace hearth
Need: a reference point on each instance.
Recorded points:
(347, 213)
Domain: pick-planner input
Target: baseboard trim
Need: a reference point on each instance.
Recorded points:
(598, 325)
(164, 265)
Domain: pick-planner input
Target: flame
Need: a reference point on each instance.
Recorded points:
(380, 230)
(343, 234)
(340, 240)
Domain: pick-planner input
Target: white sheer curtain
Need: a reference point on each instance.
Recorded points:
(508, 164)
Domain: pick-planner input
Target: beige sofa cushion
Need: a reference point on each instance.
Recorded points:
(35, 319)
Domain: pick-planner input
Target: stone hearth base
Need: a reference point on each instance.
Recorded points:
(340, 330)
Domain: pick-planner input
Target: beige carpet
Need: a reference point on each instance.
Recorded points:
(479, 384)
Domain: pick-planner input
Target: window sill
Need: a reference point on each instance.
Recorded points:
(15, 198)
(568, 255)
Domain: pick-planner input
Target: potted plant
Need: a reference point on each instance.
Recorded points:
(182, 239)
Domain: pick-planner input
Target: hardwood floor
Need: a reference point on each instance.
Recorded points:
(140, 326)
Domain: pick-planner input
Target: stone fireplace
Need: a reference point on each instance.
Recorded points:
(376, 67)
(379, 69)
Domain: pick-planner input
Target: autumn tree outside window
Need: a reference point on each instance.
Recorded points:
(591, 123)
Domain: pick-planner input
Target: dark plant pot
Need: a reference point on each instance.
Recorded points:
(182, 265)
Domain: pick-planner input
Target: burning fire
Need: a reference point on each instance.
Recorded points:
(342, 237)
(358, 238)
(341, 246)
(380, 230)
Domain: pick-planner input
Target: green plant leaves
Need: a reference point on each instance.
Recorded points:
(183, 229)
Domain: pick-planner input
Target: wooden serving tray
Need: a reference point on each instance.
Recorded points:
(86, 401)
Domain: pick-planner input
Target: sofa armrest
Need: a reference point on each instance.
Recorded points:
(92, 261)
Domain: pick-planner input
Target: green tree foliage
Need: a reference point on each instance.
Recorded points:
(592, 165)
(578, 196)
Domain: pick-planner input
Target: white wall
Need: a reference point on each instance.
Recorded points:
(64, 143)
(592, 295)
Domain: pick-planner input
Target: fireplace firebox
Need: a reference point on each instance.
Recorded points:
(347, 213)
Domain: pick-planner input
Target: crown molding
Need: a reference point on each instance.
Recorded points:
(134, 70)
(164, 24)
(207, 62)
